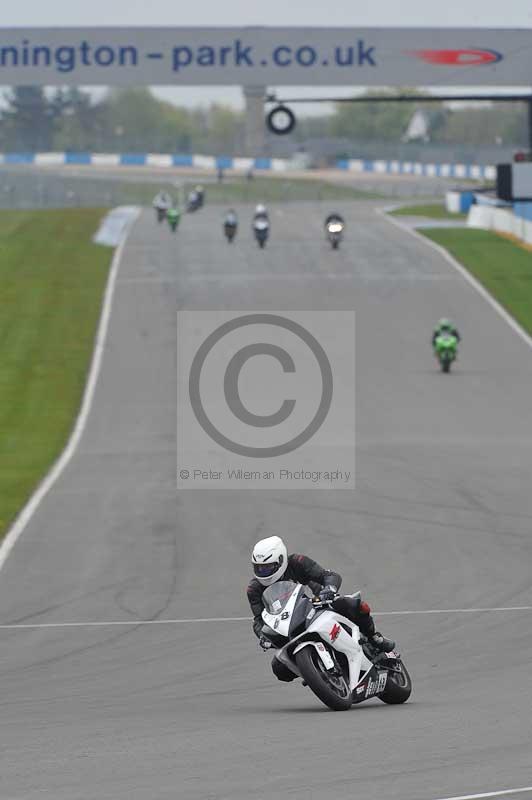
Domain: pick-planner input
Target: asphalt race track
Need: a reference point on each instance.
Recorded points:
(441, 519)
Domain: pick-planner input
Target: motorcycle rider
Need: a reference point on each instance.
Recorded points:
(271, 563)
(230, 224)
(261, 212)
(196, 198)
(334, 217)
(173, 215)
(162, 200)
(231, 219)
(445, 326)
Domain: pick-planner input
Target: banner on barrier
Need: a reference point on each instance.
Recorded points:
(266, 56)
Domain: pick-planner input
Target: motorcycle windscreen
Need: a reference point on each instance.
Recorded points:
(277, 596)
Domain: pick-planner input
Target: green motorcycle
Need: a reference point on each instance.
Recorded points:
(173, 215)
(446, 350)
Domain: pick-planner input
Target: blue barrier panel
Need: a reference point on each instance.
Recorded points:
(263, 163)
(523, 210)
(466, 201)
(367, 166)
(224, 162)
(19, 158)
(182, 160)
(342, 163)
(78, 158)
(133, 159)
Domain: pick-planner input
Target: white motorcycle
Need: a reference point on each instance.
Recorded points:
(261, 229)
(328, 651)
(334, 229)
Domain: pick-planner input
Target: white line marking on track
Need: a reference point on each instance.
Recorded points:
(500, 793)
(464, 273)
(139, 622)
(127, 622)
(57, 469)
(453, 611)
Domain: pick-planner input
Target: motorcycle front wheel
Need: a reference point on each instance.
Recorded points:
(398, 687)
(332, 690)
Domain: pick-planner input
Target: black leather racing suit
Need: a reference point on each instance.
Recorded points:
(334, 218)
(302, 569)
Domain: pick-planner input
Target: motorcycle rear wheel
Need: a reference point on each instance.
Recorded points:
(315, 675)
(398, 687)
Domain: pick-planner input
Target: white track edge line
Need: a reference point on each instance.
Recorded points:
(139, 622)
(506, 316)
(27, 512)
(489, 794)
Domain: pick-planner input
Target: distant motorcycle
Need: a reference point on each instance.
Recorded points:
(230, 226)
(328, 651)
(161, 203)
(196, 199)
(334, 228)
(173, 215)
(261, 229)
(446, 350)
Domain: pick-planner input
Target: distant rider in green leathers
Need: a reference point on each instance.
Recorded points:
(445, 326)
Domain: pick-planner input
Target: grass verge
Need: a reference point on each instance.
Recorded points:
(502, 266)
(52, 280)
(235, 190)
(430, 210)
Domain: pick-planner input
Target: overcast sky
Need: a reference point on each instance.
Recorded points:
(488, 13)
(429, 13)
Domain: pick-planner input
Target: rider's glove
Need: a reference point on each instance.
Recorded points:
(265, 643)
(328, 593)
(381, 643)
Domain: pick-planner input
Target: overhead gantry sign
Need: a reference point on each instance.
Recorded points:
(269, 56)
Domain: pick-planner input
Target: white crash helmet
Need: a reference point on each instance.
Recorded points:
(269, 559)
(260, 210)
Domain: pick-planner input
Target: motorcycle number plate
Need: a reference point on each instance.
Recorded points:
(325, 657)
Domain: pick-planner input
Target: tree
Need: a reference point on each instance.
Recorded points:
(28, 121)
(381, 121)
(77, 121)
(136, 121)
(226, 127)
(503, 123)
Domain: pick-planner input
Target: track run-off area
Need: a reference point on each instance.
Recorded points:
(128, 666)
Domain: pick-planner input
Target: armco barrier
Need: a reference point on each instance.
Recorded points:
(379, 167)
(502, 220)
(523, 210)
(457, 202)
(472, 171)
